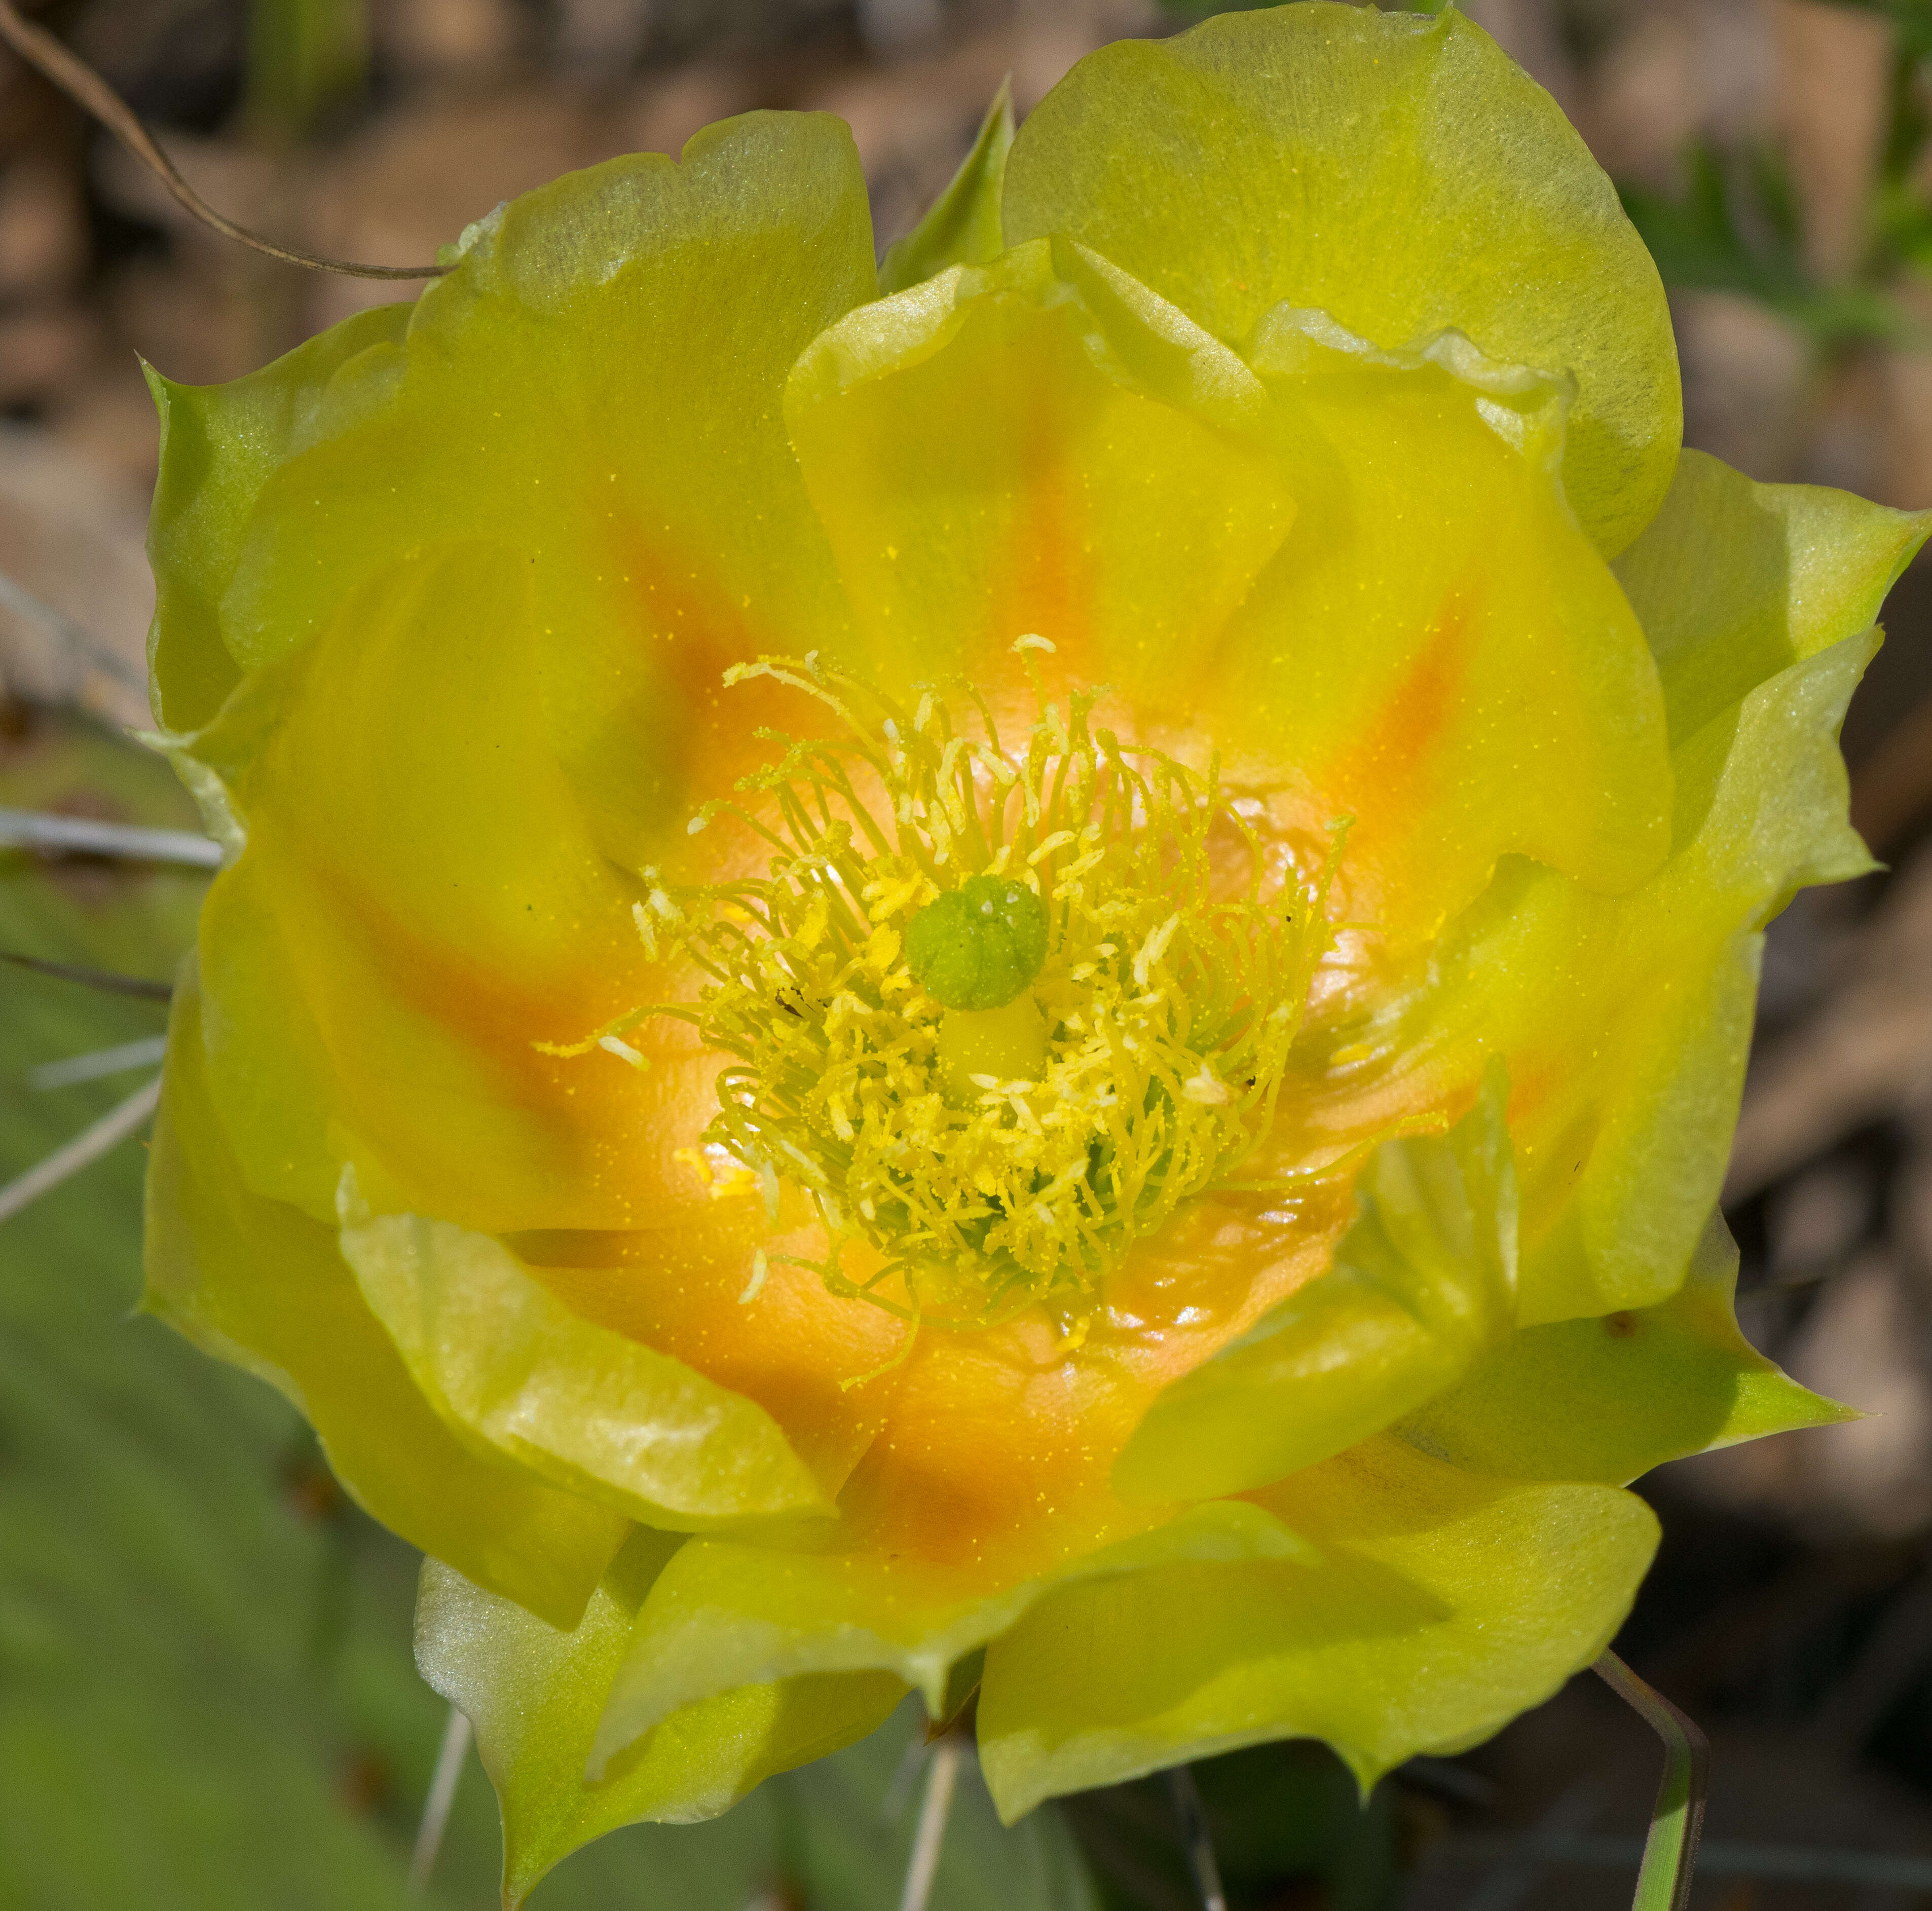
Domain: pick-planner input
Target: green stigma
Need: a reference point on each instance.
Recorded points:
(995, 1010)
(977, 947)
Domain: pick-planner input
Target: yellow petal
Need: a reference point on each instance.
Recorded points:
(509, 1367)
(1625, 1020)
(534, 1692)
(594, 393)
(1359, 579)
(722, 1615)
(220, 444)
(422, 903)
(1037, 447)
(1443, 1606)
(262, 1284)
(1422, 1284)
(1401, 173)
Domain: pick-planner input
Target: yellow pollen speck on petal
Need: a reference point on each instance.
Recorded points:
(724, 1177)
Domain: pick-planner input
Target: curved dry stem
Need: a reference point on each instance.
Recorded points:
(140, 987)
(942, 1774)
(435, 1820)
(86, 1148)
(87, 89)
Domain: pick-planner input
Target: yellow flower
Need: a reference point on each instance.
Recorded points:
(1037, 975)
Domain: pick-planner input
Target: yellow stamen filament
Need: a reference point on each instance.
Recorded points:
(999, 1159)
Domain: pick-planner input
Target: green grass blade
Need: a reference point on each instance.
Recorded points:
(1677, 1818)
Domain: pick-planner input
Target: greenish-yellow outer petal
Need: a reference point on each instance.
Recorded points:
(1735, 581)
(1607, 1399)
(1761, 802)
(534, 1692)
(723, 1614)
(594, 391)
(260, 1284)
(1626, 1020)
(507, 1365)
(1036, 446)
(421, 901)
(479, 573)
(1353, 570)
(1422, 1283)
(961, 227)
(1400, 173)
(220, 446)
(1444, 1605)
(1759, 602)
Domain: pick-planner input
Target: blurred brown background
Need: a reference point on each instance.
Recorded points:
(1775, 153)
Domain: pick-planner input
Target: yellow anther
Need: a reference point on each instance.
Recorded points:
(1153, 949)
(994, 1157)
(1205, 1088)
(761, 1267)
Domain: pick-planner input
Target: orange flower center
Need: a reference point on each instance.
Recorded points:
(994, 1011)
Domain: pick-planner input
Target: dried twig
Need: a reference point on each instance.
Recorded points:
(86, 89)
(449, 1763)
(80, 646)
(86, 1147)
(149, 1052)
(104, 980)
(942, 1773)
(46, 829)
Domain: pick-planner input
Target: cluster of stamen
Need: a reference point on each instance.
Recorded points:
(1162, 1010)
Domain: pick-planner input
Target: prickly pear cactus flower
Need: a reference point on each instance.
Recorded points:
(1023, 974)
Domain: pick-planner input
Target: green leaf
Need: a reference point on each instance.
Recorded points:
(1608, 1399)
(961, 227)
(1421, 1283)
(196, 1654)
